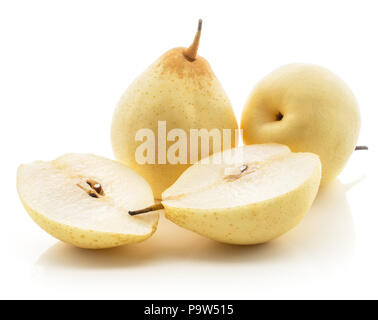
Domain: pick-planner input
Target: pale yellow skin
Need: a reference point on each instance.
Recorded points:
(86, 239)
(251, 224)
(184, 93)
(320, 115)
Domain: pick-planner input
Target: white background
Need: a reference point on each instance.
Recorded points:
(63, 67)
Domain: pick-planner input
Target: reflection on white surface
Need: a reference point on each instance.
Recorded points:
(325, 234)
(176, 263)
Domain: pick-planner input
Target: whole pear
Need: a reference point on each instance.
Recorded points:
(307, 108)
(181, 89)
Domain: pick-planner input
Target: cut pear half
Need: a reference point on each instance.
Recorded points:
(83, 200)
(247, 195)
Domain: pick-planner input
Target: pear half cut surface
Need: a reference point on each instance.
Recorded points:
(246, 195)
(83, 200)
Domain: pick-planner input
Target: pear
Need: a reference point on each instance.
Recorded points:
(83, 200)
(247, 195)
(308, 108)
(181, 89)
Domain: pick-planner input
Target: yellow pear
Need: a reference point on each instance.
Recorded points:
(247, 195)
(307, 108)
(83, 200)
(181, 90)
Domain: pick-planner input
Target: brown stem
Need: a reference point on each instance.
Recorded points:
(154, 207)
(191, 52)
(361, 148)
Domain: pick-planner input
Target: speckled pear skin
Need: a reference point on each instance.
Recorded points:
(86, 239)
(186, 94)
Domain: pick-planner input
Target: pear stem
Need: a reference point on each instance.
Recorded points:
(361, 148)
(191, 52)
(154, 207)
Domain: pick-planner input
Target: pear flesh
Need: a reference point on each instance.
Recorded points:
(181, 89)
(83, 200)
(246, 195)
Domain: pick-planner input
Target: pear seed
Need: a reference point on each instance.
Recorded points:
(95, 186)
(93, 194)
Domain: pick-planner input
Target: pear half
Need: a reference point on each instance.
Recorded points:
(83, 200)
(246, 195)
